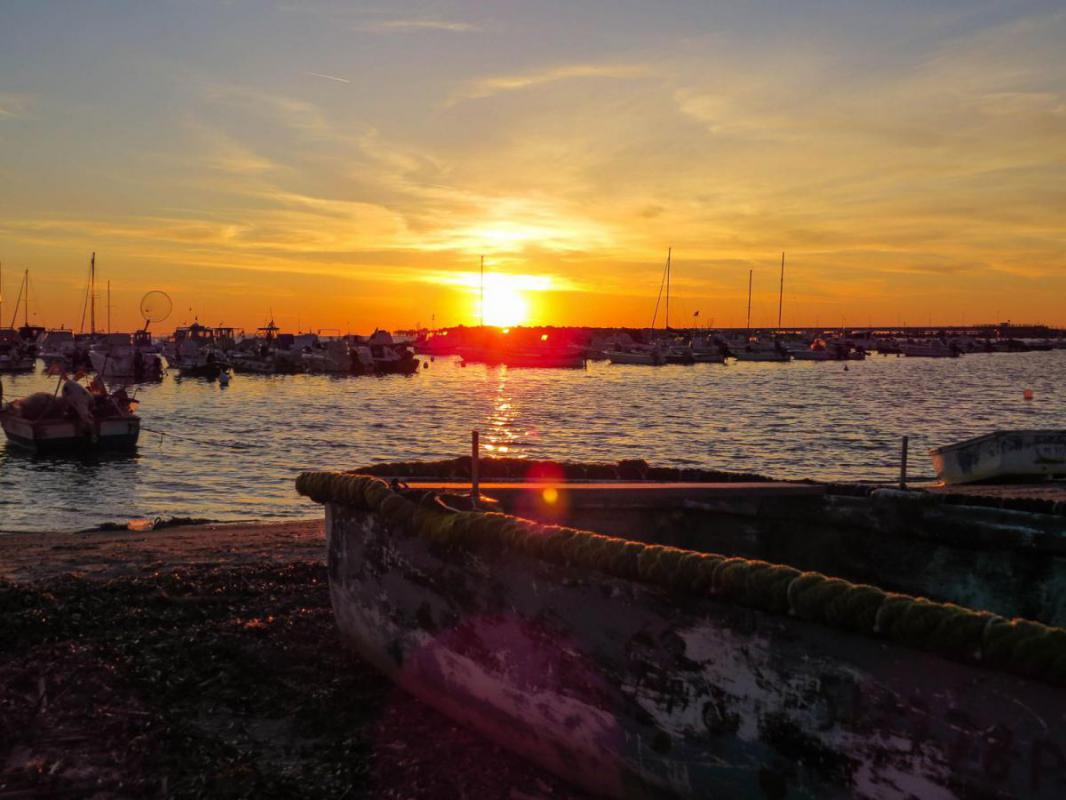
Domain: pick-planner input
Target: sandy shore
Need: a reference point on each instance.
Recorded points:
(114, 554)
(205, 662)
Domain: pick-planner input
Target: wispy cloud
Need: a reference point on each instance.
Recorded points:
(418, 24)
(336, 78)
(486, 87)
(14, 106)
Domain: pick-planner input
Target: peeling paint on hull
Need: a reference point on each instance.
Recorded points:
(632, 692)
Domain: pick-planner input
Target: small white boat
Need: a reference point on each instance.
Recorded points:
(1003, 454)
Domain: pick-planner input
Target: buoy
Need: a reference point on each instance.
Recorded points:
(1028, 394)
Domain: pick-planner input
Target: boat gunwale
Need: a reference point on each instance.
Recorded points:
(947, 448)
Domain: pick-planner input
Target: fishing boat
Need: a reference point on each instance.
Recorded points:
(197, 351)
(15, 355)
(269, 352)
(128, 357)
(1002, 455)
(543, 357)
(646, 356)
(707, 350)
(72, 418)
(929, 348)
(329, 357)
(58, 347)
(643, 648)
(391, 357)
(755, 349)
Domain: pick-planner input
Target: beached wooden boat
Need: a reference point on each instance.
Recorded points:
(1002, 455)
(638, 669)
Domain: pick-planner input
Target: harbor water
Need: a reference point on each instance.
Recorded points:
(231, 453)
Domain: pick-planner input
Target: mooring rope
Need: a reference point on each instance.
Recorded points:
(1013, 645)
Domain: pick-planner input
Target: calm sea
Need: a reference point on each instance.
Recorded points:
(232, 453)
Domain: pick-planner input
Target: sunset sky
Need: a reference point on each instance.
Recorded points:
(345, 165)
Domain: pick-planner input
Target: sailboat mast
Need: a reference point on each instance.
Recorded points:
(483, 291)
(750, 271)
(26, 308)
(92, 295)
(781, 291)
(109, 306)
(669, 253)
(1, 290)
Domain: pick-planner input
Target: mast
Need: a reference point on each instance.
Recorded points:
(1, 290)
(92, 295)
(26, 308)
(781, 291)
(18, 299)
(750, 271)
(483, 291)
(669, 253)
(109, 306)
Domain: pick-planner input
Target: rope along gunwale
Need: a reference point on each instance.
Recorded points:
(1017, 646)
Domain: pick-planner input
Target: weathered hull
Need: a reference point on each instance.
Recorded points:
(632, 690)
(49, 436)
(1003, 454)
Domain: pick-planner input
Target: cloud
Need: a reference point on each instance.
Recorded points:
(14, 106)
(486, 87)
(417, 24)
(335, 78)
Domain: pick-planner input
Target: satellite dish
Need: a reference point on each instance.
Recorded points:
(155, 307)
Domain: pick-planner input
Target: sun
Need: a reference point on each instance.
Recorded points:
(504, 305)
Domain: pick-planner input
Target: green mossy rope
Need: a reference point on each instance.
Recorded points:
(1017, 646)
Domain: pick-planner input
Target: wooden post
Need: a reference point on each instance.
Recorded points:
(903, 463)
(474, 457)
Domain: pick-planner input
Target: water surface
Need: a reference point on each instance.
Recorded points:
(232, 453)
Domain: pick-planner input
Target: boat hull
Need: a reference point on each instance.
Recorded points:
(765, 356)
(632, 690)
(1002, 455)
(48, 436)
(649, 359)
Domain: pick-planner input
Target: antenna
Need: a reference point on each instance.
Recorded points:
(781, 291)
(750, 271)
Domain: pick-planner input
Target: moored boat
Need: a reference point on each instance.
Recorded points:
(128, 357)
(646, 356)
(640, 669)
(197, 351)
(15, 354)
(73, 418)
(929, 348)
(1002, 455)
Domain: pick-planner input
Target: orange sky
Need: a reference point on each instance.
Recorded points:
(340, 167)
